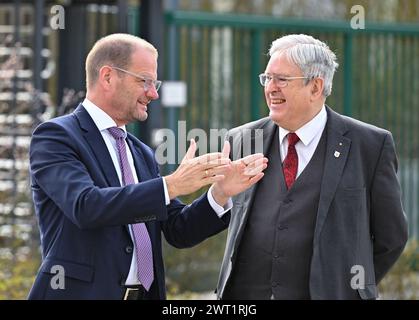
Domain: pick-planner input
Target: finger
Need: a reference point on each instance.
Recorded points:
(209, 157)
(226, 149)
(255, 179)
(190, 154)
(217, 163)
(252, 158)
(255, 170)
(219, 170)
(239, 164)
(257, 162)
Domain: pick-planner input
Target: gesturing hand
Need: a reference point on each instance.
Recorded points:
(240, 175)
(195, 172)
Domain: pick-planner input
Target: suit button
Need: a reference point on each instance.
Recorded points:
(279, 254)
(128, 249)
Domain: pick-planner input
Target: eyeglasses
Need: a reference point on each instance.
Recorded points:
(147, 81)
(281, 81)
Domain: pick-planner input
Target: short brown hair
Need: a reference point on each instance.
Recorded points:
(115, 50)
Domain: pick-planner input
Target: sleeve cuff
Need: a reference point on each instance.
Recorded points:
(219, 210)
(166, 193)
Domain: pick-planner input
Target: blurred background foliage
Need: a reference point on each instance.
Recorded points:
(380, 11)
(17, 276)
(402, 283)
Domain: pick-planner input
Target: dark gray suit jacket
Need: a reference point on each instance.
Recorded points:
(360, 219)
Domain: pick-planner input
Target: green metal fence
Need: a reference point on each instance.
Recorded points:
(220, 56)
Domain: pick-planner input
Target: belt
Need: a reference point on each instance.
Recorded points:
(136, 292)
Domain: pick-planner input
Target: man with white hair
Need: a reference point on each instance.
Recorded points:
(326, 221)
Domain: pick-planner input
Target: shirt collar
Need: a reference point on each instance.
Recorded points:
(101, 119)
(308, 131)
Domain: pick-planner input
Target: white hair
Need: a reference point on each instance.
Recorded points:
(312, 56)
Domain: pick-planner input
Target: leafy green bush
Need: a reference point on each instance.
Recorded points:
(402, 282)
(17, 276)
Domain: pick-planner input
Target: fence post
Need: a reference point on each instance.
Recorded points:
(173, 71)
(347, 74)
(255, 88)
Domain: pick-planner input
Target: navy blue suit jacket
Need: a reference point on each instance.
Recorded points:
(83, 212)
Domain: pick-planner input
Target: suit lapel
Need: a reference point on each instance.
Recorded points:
(337, 151)
(143, 173)
(94, 139)
(268, 132)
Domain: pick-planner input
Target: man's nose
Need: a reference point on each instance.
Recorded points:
(272, 86)
(152, 93)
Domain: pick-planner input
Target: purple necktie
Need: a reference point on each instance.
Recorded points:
(141, 236)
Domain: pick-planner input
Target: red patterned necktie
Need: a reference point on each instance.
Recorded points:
(290, 165)
(141, 236)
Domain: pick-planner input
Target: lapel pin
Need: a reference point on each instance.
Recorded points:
(337, 154)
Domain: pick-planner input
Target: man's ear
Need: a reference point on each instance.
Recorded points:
(317, 88)
(105, 77)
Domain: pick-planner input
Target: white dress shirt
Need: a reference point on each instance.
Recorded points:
(103, 121)
(309, 135)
